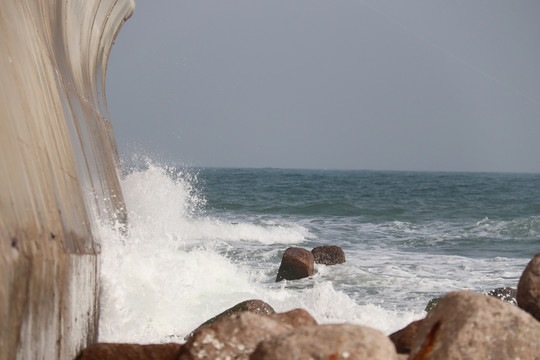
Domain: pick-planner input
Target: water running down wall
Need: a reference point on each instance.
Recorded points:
(58, 171)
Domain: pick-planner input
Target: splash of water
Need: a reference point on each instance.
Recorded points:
(163, 275)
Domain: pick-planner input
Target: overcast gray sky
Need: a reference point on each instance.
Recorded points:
(341, 84)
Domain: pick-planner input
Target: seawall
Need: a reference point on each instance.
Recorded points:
(58, 171)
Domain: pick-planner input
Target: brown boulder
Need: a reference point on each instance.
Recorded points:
(255, 306)
(234, 337)
(506, 294)
(343, 341)
(296, 263)
(295, 318)
(328, 255)
(403, 339)
(105, 351)
(528, 292)
(466, 325)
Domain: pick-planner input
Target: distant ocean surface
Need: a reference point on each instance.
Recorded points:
(201, 240)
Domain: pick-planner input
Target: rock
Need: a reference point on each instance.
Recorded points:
(104, 351)
(296, 263)
(403, 339)
(506, 294)
(432, 303)
(328, 255)
(528, 292)
(343, 341)
(234, 337)
(295, 318)
(466, 325)
(255, 306)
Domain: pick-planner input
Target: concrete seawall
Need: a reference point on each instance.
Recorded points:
(58, 171)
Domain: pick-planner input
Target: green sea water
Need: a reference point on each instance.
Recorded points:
(470, 214)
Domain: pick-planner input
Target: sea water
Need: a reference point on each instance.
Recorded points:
(202, 240)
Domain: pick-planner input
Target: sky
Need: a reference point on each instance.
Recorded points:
(422, 85)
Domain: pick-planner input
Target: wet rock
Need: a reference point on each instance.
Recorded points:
(296, 263)
(234, 337)
(295, 318)
(432, 303)
(343, 341)
(403, 339)
(255, 306)
(466, 325)
(104, 351)
(506, 294)
(528, 292)
(328, 255)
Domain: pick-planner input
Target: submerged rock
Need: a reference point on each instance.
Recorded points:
(342, 341)
(235, 337)
(528, 292)
(506, 294)
(104, 351)
(296, 263)
(432, 303)
(328, 255)
(466, 325)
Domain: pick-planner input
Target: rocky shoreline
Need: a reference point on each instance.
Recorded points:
(462, 325)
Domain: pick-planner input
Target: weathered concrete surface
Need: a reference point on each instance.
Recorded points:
(57, 171)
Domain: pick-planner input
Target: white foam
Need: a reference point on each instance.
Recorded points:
(284, 233)
(328, 305)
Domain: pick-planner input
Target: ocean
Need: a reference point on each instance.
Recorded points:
(200, 240)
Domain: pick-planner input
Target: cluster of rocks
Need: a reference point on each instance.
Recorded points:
(253, 330)
(298, 263)
(462, 325)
